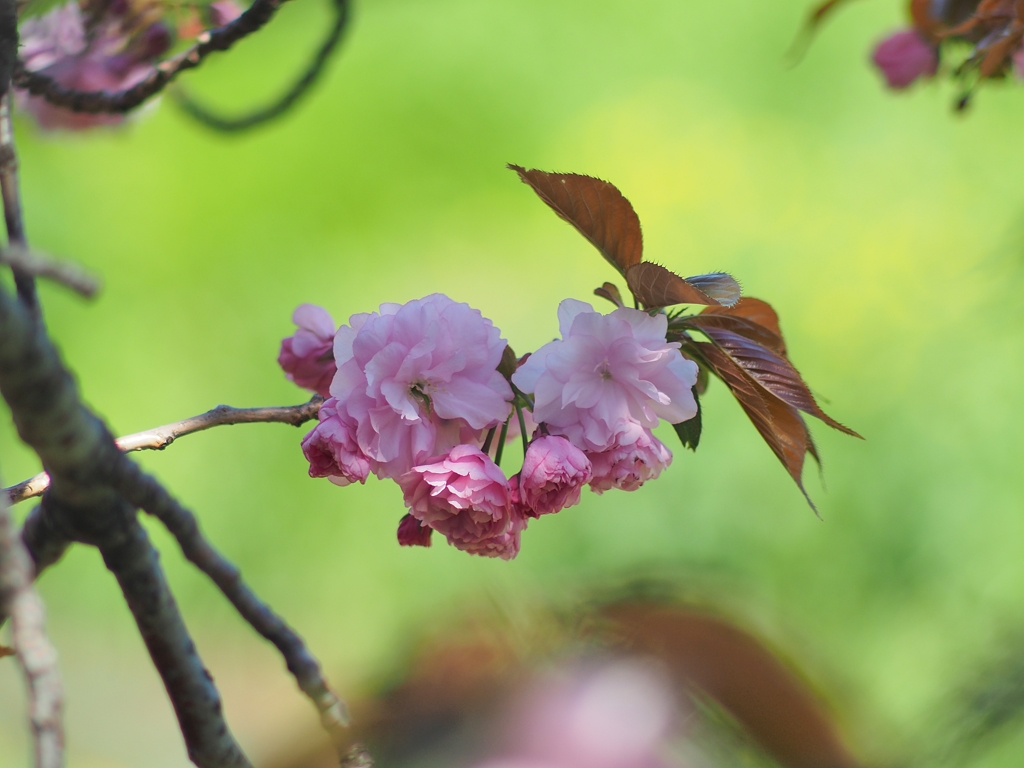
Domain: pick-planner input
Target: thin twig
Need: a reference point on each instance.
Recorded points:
(38, 264)
(94, 102)
(146, 493)
(277, 108)
(24, 282)
(160, 437)
(36, 653)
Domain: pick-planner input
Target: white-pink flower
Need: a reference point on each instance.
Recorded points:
(419, 379)
(628, 466)
(307, 356)
(331, 448)
(554, 471)
(609, 377)
(465, 497)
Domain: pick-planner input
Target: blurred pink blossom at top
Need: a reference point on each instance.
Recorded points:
(224, 12)
(609, 377)
(619, 714)
(903, 57)
(307, 356)
(107, 59)
(465, 497)
(419, 379)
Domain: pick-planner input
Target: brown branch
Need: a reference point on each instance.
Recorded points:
(144, 492)
(93, 102)
(277, 108)
(160, 437)
(9, 189)
(36, 653)
(74, 446)
(39, 264)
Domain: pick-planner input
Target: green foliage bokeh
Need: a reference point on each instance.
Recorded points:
(886, 231)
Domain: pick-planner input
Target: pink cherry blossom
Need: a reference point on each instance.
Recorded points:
(111, 57)
(413, 533)
(628, 466)
(224, 12)
(465, 497)
(903, 57)
(332, 450)
(609, 377)
(419, 379)
(307, 357)
(554, 471)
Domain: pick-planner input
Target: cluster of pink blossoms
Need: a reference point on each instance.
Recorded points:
(102, 46)
(423, 393)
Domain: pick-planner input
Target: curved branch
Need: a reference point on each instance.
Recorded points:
(144, 492)
(160, 437)
(24, 282)
(94, 102)
(312, 73)
(38, 264)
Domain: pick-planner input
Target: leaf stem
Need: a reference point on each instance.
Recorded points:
(487, 441)
(522, 428)
(501, 441)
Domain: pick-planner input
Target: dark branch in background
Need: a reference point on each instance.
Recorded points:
(144, 492)
(159, 438)
(312, 73)
(38, 264)
(93, 102)
(36, 654)
(23, 281)
(74, 446)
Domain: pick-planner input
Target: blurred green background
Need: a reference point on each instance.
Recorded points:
(886, 231)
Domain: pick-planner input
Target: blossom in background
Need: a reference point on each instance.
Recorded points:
(331, 448)
(608, 378)
(224, 12)
(110, 53)
(307, 356)
(628, 466)
(554, 471)
(905, 56)
(419, 379)
(465, 497)
(619, 714)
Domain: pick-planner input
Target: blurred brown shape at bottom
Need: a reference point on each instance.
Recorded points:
(458, 685)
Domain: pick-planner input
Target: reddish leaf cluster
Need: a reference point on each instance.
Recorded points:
(744, 347)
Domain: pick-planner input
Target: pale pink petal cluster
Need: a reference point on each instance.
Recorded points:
(419, 379)
(903, 57)
(608, 378)
(464, 496)
(627, 467)
(554, 471)
(307, 356)
(224, 12)
(106, 54)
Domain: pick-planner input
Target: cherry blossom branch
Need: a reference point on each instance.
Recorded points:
(93, 102)
(9, 190)
(39, 264)
(160, 437)
(277, 108)
(143, 491)
(36, 654)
